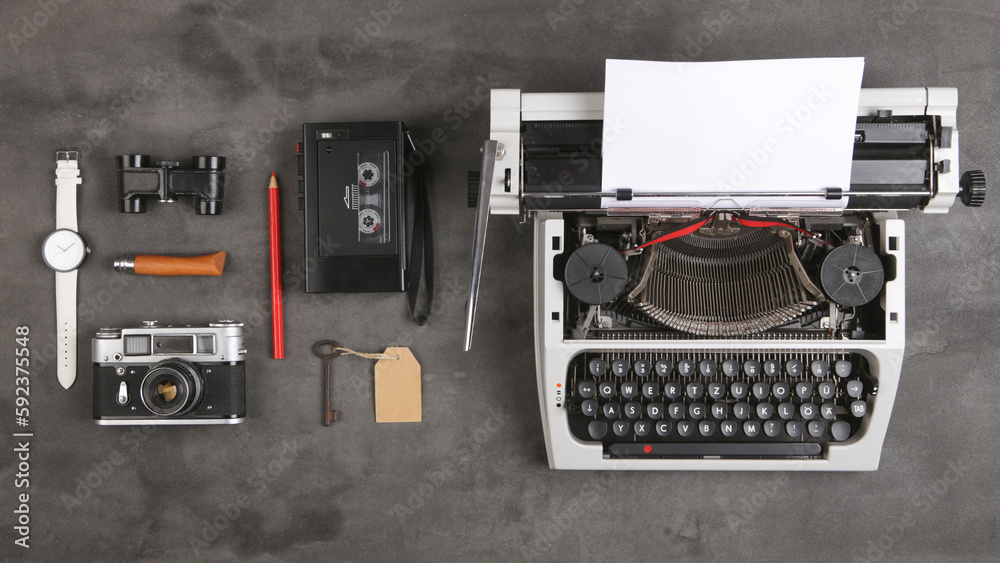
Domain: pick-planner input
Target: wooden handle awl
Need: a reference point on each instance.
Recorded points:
(207, 265)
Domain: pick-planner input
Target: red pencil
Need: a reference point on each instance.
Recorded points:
(276, 308)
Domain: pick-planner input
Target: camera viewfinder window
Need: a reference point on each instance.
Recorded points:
(206, 344)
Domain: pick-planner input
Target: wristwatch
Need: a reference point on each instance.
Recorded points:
(64, 250)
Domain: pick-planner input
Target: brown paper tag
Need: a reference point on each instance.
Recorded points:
(397, 388)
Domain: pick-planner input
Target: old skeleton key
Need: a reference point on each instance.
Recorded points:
(328, 350)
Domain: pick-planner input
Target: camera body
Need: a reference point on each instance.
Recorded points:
(139, 180)
(171, 375)
(353, 184)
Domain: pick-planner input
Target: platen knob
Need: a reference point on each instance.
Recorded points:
(474, 178)
(973, 184)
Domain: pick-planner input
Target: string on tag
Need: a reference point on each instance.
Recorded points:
(349, 352)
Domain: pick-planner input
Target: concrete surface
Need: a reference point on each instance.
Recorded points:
(470, 483)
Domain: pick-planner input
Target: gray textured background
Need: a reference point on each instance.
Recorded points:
(470, 482)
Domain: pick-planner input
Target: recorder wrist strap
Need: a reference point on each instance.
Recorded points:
(421, 251)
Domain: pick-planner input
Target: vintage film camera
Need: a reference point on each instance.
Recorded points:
(353, 183)
(139, 180)
(158, 374)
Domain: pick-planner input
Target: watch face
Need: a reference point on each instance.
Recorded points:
(64, 250)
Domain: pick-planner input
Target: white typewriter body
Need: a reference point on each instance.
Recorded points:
(554, 347)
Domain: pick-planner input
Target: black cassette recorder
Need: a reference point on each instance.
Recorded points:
(354, 191)
(356, 180)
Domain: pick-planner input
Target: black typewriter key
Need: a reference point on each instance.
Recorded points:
(707, 367)
(719, 410)
(820, 368)
(772, 428)
(761, 390)
(793, 368)
(807, 410)
(751, 428)
(654, 411)
(606, 389)
(840, 430)
(685, 368)
(676, 410)
(642, 367)
(663, 368)
(772, 368)
(706, 428)
(858, 408)
(598, 367)
(611, 410)
(632, 409)
(786, 410)
(620, 427)
(731, 368)
(685, 428)
(739, 389)
(828, 411)
(816, 428)
(781, 390)
(751, 368)
(641, 428)
(586, 389)
(650, 390)
(793, 428)
(826, 389)
(695, 389)
(664, 427)
(764, 410)
(741, 411)
(619, 368)
(855, 388)
(716, 390)
(597, 429)
(804, 389)
(728, 428)
(672, 389)
(696, 411)
(629, 389)
(589, 408)
(843, 368)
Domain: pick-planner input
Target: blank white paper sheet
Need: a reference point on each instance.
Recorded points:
(730, 128)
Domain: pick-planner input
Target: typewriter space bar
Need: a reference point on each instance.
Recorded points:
(720, 449)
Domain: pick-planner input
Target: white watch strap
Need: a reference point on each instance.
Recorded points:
(66, 327)
(67, 179)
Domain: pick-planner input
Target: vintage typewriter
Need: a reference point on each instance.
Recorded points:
(716, 339)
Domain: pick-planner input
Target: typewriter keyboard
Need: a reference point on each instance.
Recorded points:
(717, 404)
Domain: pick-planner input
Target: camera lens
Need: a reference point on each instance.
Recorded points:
(171, 388)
